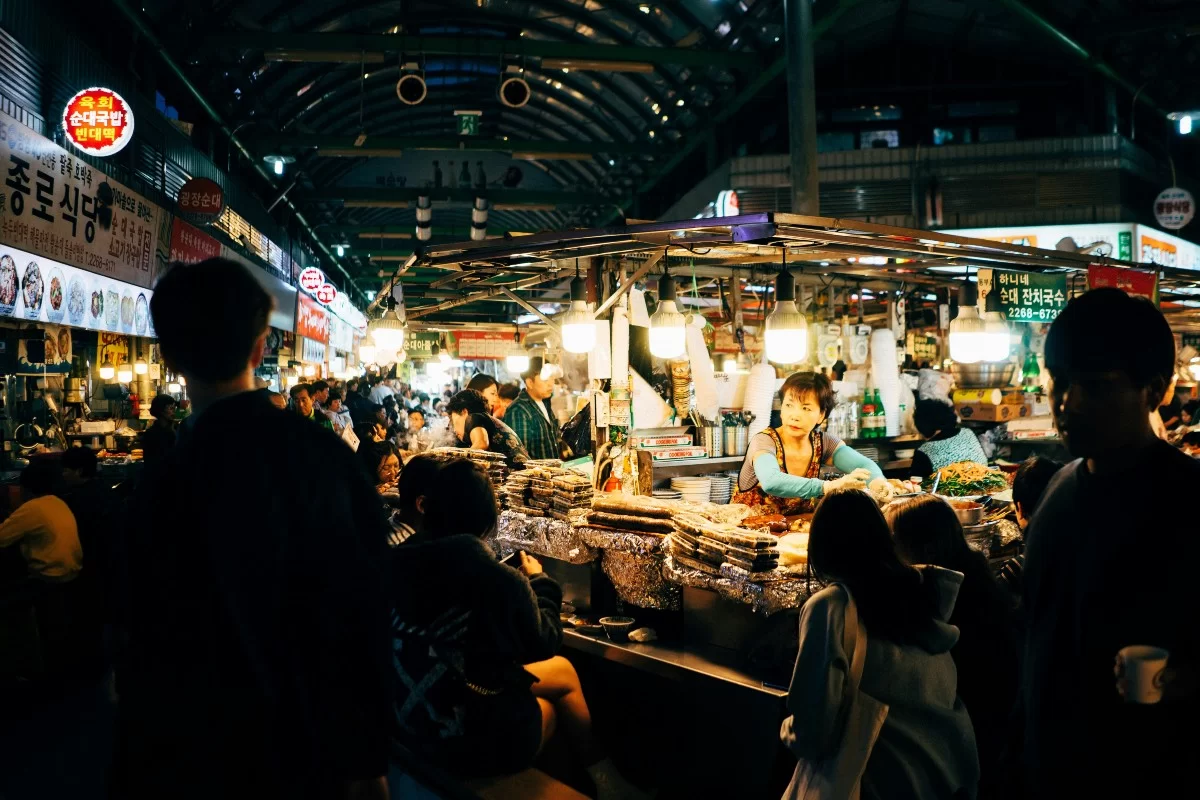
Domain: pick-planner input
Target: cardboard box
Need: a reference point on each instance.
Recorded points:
(986, 412)
(988, 396)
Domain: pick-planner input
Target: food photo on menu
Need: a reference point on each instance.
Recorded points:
(8, 285)
(32, 290)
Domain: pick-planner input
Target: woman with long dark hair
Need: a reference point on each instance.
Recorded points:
(927, 531)
(925, 747)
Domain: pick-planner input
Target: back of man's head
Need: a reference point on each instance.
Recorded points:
(82, 460)
(184, 307)
(417, 480)
(1030, 482)
(1107, 330)
(316, 387)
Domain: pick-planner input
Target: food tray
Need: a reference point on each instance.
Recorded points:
(543, 536)
(623, 541)
(764, 598)
(639, 580)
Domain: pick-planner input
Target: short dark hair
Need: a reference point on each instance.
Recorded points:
(931, 416)
(82, 459)
(1031, 480)
(298, 388)
(417, 479)
(335, 394)
(508, 391)
(534, 369)
(189, 340)
(461, 501)
(158, 406)
(318, 386)
(373, 454)
(417, 410)
(480, 382)
(40, 477)
(1106, 329)
(468, 400)
(802, 383)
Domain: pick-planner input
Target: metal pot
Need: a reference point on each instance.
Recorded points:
(984, 374)
(969, 516)
(737, 439)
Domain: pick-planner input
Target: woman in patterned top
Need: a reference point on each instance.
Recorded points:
(947, 443)
(476, 428)
(781, 472)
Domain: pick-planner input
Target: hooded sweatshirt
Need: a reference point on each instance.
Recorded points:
(926, 748)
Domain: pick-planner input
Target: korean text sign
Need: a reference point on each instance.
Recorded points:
(191, 245)
(60, 207)
(312, 321)
(1030, 297)
(1132, 281)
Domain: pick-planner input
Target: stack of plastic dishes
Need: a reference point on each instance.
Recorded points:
(667, 494)
(694, 490)
(721, 489)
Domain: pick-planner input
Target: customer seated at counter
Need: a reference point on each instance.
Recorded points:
(414, 486)
(780, 474)
(946, 443)
(381, 462)
(302, 404)
(157, 440)
(925, 748)
(479, 687)
(475, 427)
(43, 528)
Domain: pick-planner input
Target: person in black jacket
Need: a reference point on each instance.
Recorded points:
(479, 687)
(257, 661)
(927, 531)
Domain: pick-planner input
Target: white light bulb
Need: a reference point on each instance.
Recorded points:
(107, 371)
(366, 353)
(968, 339)
(1185, 124)
(125, 373)
(279, 167)
(668, 329)
(578, 326)
(517, 362)
(341, 251)
(141, 367)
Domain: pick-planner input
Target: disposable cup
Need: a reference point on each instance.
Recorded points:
(1142, 667)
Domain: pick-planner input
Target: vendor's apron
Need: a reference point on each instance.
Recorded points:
(755, 497)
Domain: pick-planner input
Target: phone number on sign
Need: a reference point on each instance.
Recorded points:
(1034, 314)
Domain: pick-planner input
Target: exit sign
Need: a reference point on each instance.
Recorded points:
(468, 122)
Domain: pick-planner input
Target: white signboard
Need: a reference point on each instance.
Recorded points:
(59, 206)
(40, 289)
(341, 335)
(1174, 208)
(312, 351)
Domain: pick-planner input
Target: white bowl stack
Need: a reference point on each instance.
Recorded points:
(721, 489)
(694, 490)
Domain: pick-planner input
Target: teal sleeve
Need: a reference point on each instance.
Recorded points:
(777, 483)
(847, 459)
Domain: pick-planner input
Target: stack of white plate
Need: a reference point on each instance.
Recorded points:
(721, 489)
(694, 490)
(667, 494)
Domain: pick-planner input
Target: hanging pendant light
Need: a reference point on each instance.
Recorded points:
(967, 330)
(668, 329)
(366, 353)
(141, 367)
(125, 373)
(787, 329)
(517, 359)
(108, 370)
(387, 333)
(578, 325)
(995, 329)
(174, 388)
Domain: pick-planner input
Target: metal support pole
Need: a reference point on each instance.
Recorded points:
(528, 306)
(628, 283)
(802, 105)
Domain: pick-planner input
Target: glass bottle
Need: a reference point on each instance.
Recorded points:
(1031, 373)
(868, 416)
(879, 420)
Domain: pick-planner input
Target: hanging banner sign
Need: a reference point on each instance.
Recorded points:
(98, 121)
(1174, 208)
(342, 306)
(312, 351)
(1028, 297)
(419, 344)
(1133, 281)
(39, 289)
(58, 206)
(312, 321)
(191, 245)
(201, 200)
(341, 335)
(483, 344)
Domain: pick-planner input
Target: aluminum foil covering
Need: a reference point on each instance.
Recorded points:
(623, 541)
(640, 581)
(542, 536)
(764, 598)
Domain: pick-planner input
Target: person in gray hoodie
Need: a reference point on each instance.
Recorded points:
(926, 747)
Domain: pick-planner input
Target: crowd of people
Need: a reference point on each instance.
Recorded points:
(268, 636)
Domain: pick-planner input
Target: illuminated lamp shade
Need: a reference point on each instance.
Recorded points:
(667, 326)
(967, 330)
(366, 353)
(125, 373)
(182, 381)
(107, 370)
(517, 360)
(578, 325)
(174, 388)
(141, 367)
(787, 329)
(995, 329)
(387, 334)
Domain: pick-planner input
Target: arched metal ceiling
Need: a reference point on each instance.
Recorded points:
(653, 109)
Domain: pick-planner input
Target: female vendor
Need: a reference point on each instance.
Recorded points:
(780, 473)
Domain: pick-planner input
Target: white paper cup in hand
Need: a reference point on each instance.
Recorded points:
(1140, 669)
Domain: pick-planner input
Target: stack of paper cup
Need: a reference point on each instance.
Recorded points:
(760, 392)
(703, 379)
(886, 373)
